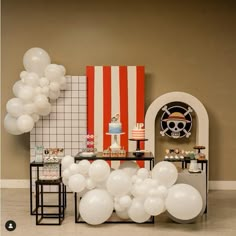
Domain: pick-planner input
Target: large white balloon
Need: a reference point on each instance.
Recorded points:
(165, 172)
(96, 206)
(77, 183)
(184, 202)
(36, 60)
(99, 170)
(25, 123)
(119, 183)
(66, 162)
(136, 211)
(10, 125)
(129, 167)
(154, 206)
(15, 107)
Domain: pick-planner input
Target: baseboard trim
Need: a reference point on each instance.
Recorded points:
(222, 185)
(14, 183)
(24, 183)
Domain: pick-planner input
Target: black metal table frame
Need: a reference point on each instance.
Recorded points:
(38, 165)
(39, 202)
(99, 157)
(185, 163)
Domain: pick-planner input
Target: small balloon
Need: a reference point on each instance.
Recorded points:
(25, 123)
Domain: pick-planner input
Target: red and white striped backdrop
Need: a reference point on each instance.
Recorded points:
(111, 90)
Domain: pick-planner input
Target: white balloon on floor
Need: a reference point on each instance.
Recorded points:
(137, 212)
(184, 202)
(165, 172)
(96, 206)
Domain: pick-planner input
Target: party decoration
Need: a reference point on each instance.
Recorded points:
(118, 183)
(165, 172)
(38, 84)
(96, 206)
(134, 197)
(184, 202)
(99, 170)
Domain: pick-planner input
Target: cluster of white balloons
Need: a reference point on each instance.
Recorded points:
(134, 193)
(40, 82)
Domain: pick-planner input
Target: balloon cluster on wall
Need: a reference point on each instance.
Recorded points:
(134, 193)
(40, 82)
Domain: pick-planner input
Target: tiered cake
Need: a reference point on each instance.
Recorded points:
(138, 132)
(115, 127)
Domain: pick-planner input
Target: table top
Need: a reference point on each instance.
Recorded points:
(185, 160)
(129, 157)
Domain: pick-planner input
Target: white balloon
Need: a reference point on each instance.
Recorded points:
(36, 60)
(96, 206)
(84, 166)
(162, 191)
(184, 202)
(129, 167)
(66, 173)
(123, 214)
(31, 79)
(10, 125)
(23, 74)
(65, 181)
(35, 117)
(43, 82)
(46, 110)
(26, 93)
(90, 184)
(74, 168)
(38, 90)
(77, 183)
(53, 72)
(154, 206)
(17, 87)
(63, 69)
(99, 170)
(140, 190)
(62, 80)
(25, 123)
(29, 108)
(165, 172)
(45, 91)
(54, 95)
(54, 86)
(125, 201)
(119, 183)
(15, 107)
(143, 173)
(66, 162)
(118, 207)
(41, 101)
(136, 211)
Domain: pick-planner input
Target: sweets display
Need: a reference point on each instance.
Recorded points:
(138, 132)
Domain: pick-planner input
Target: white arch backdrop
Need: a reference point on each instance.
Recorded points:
(202, 129)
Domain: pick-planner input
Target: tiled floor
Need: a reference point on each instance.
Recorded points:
(220, 220)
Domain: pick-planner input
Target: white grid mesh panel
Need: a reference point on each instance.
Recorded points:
(66, 125)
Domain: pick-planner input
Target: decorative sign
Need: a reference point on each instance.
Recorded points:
(176, 121)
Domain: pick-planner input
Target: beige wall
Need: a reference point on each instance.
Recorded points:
(185, 46)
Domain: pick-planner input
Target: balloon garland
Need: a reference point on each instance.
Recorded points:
(134, 193)
(40, 83)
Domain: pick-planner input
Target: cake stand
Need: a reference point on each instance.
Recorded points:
(138, 153)
(115, 145)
